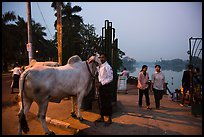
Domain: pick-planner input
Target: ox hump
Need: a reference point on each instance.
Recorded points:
(74, 59)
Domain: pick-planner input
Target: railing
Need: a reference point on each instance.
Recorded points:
(133, 80)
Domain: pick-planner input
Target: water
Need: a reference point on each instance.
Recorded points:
(173, 84)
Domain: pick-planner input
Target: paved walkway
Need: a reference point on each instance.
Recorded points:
(171, 119)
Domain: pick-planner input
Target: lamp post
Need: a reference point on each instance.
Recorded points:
(29, 45)
(59, 33)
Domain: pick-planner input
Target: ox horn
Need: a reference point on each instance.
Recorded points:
(91, 59)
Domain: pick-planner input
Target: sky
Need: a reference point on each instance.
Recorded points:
(146, 31)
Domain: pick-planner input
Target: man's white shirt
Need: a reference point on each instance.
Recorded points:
(158, 80)
(105, 73)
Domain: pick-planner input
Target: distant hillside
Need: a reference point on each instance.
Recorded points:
(129, 63)
(140, 63)
(175, 64)
(179, 64)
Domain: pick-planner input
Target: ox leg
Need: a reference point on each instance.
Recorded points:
(80, 98)
(42, 115)
(27, 103)
(73, 114)
(19, 124)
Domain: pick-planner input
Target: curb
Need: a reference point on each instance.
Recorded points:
(52, 121)
(57, 122)
(7, 74)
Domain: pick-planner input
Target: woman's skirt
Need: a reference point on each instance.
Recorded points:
(15, 81)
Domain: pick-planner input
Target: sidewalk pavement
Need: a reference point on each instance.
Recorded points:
(129, 119)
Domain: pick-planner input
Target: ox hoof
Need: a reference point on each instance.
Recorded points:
(80, 119)
(50, 133)
(73, 115)
(25, 130)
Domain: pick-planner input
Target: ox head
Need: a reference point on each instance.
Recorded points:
(93, 62)
(95, 58)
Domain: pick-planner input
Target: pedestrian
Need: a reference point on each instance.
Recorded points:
(143, 86)
(125, 74)
(158, 85)
(186, 83)
(197, 86)
(15, 77)
(105, 77)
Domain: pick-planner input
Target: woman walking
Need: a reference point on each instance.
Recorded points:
(143, 86)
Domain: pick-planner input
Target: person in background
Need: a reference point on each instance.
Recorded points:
(143, 86)
(186, 83)
(15, 76)
(125, 73)
(197, 83)
(158, 85)
(105, 78)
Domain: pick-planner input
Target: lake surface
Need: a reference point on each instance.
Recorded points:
(173, 78)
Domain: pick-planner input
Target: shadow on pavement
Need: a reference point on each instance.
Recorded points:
(123, 129)
(134, 113)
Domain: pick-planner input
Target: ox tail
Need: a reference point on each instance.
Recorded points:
(22, 117)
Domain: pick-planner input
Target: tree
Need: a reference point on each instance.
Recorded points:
(71, 25)
(14, 42)
(90, 41)
(129, 63)
(77, 37)
(7, 17)
(7, 39)
(120, 59)
(22, 37)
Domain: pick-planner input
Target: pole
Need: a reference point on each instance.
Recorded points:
(29, 45)
(190, 57)
(59, 33)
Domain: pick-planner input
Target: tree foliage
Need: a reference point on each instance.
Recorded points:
(128, 63)
(77, 38)
(14, 36)
(71, 25)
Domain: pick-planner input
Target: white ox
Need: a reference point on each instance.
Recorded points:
(44, 84)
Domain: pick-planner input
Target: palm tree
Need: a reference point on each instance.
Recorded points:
(7, 38)
(71, 25)
(14, 36)
(41, 46)
(7, 17)
(39, 42)
(22, 40)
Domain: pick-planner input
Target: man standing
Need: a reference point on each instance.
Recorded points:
(105, 77)
(158, 84)
(186, 84)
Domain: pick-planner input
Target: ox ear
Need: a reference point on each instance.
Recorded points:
(92, 58)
